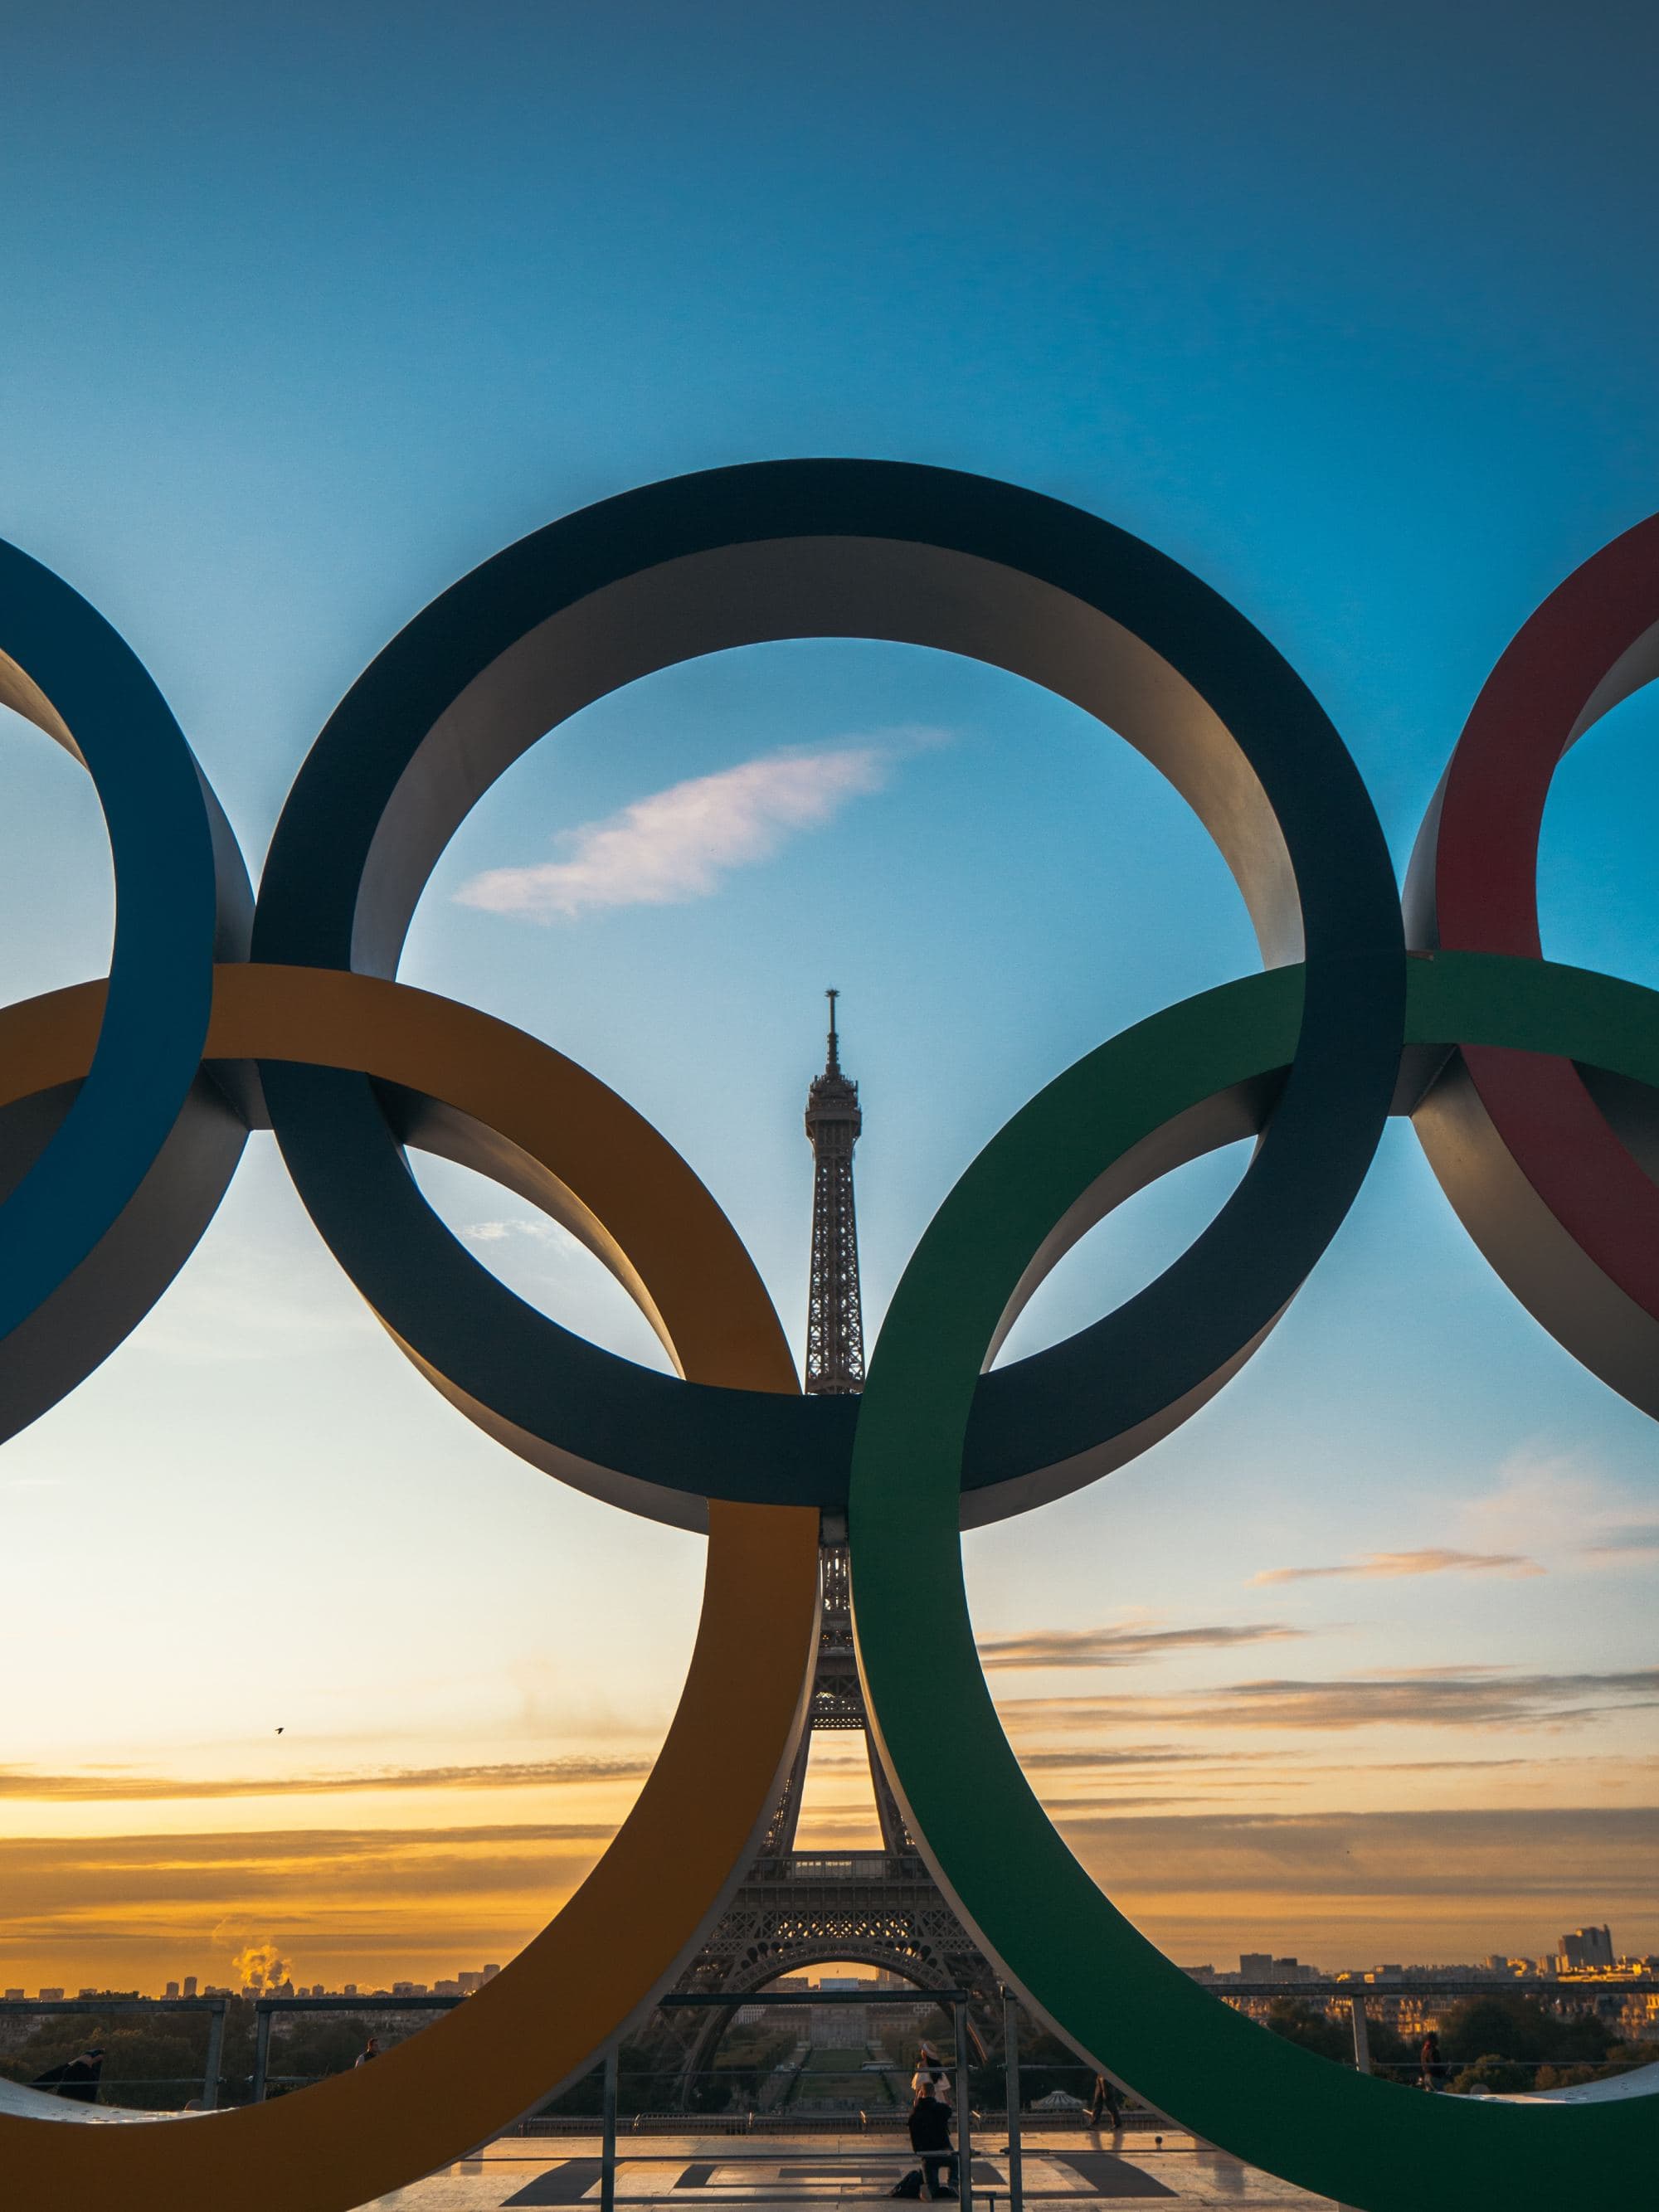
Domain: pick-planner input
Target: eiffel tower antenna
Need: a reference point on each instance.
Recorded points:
(795, 1908)
(835, 1316)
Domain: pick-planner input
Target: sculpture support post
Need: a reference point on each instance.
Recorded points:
(1011, 2070)
(608, 2147)
(215, 2051)
(964, 2115)
(1362, 2041)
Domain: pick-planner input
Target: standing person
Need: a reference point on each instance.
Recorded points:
(1106, 2104)
(929, 2139)
(370, 2050)
(1430, 2062)
(930, 2068)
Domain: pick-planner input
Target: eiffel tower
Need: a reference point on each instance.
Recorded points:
(796, 1909)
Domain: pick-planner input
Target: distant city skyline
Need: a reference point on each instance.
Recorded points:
(1582, 1951)
(1351, 315)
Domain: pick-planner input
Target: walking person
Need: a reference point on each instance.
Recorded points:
(1106, 2105)
(1432, 2065)
(929, 2139)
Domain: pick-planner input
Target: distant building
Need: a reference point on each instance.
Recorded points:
(1256, 1966)
(447, 1989)
(471, 1980)
(171, 1991)
(1586, 1946)
(190, 1985)
(350, 1991)
(52, 1996)
(490, 1972)
(13, 1996)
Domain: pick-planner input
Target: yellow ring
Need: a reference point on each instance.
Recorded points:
(618, 1941)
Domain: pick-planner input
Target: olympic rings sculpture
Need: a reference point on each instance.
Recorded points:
(124, 1106)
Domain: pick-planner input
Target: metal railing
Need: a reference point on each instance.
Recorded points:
(953, 2000)
(1326, 1990)
(103, 2007)
(267, 2008)
(1325, 1994)
(840, 1866)
(1546, 1986)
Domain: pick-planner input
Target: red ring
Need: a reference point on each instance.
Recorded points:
(1473, 887)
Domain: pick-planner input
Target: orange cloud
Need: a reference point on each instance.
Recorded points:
(116, 1785)
(369, 1905)
(1120, 1646)
(1386, 1565)
(357, 1904)
(1452, 1697)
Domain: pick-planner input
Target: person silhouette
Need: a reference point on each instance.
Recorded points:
(78, 2077)
(929, 2139)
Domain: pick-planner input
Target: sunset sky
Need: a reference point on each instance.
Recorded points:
(1352, 313)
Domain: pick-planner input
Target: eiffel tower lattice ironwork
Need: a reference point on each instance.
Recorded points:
(795, 1909)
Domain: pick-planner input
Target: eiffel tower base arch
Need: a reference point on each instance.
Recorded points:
(795, 1909)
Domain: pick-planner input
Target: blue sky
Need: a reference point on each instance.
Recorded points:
(1353, 313)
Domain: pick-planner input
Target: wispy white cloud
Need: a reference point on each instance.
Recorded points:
(1387, 1566)
(542, 1260)
(535, 1226)
(679, 845)
(1563, 1506)
(1546, 1510)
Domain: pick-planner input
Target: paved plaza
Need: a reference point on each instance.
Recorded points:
(780, 2174)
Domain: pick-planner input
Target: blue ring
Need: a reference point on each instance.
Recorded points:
(181, 896)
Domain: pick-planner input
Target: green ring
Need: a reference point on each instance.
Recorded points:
(1368, 2142)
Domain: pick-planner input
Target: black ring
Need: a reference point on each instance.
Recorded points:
(861, 549)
